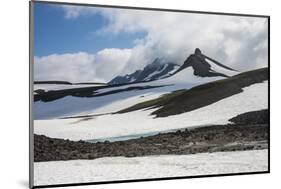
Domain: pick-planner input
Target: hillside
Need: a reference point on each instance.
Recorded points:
(199, 96)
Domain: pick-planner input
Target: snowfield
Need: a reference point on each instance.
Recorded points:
(74, 106)
(140, 122)
(219, 69)
(121, 168)
(184, 79)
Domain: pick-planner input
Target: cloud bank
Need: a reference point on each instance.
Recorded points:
(239, 42)
(81, 66)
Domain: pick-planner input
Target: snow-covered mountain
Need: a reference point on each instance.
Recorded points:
(162, 98)
(158, 69)
(179, 100)
(202, 65)
(147, 112)
(60, 102)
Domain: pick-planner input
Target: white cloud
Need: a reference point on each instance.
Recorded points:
(72, 11)
(66, 67)
(229, 39)
(240, 42)
(111, 62)
(81, 67)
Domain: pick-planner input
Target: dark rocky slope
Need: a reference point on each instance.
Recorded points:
(255, 117)
(187, 100)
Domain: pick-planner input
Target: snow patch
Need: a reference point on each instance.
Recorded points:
(156, 72)
(121, 168)
(219, 69)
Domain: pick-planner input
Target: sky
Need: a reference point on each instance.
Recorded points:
(94, 44)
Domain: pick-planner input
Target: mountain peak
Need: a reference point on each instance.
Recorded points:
(157, 69)
(205, 66)
(197, 51)
(156, 62)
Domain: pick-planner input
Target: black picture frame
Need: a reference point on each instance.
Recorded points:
(31, 72)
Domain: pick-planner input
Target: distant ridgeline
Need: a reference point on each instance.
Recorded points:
(66, 83)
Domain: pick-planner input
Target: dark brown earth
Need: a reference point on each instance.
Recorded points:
(252, 135)
(205, 139)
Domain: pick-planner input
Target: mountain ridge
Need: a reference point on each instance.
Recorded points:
(158, 69)
(203, 66)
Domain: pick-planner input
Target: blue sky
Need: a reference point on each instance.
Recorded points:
(56, 34)
(94, 44)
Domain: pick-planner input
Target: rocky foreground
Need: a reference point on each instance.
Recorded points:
(248, 132)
